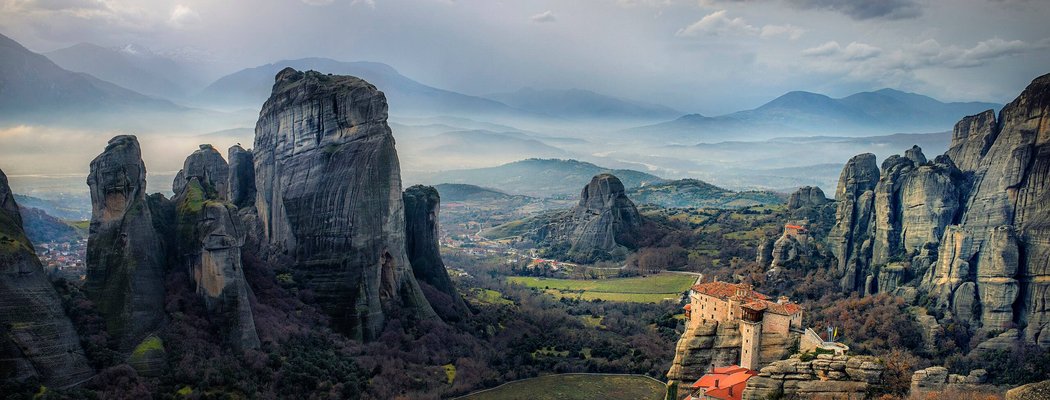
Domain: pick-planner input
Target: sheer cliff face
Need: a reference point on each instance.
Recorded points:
(850, 239)
(209, 240)
(329, 197)
(125, 274)
(974, 221)
(36, 337)
(1003, 238)
(422, 206)
(605, 219)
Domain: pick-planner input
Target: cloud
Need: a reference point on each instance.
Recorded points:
(719, 24)
(369, 3)
(855, 51)
(546, 16)
(855, 9)
(865, 9)
(317, 2)
(184, 17)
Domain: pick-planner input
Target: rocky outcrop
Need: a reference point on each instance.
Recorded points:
(850, 239)
(717, 344)
(36, 336)
(329, 198)
(242, 177)
(790, 248)
(827, 376)
(937, 380)
(971, 226)
(1031, 391)
(209, 240)
(806, 196)
(604, 220)
(125, 267)
(422, 206)
(703, 346)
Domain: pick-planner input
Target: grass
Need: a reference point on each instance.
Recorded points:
(149, 344)
(450, 373)
(576, 387)
(488, 296)
(647, 289)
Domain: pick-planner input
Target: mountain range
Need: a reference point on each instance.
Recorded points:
(804, 113)
(33, 86)
(132, 67)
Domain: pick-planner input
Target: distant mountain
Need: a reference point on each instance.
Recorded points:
(540, 177)
(582, 104)
(131, 67)
(68, 208)
(42, 228)
(804, 113)
(684, 193)
(251, 87)
(31, 86)
(462, 191)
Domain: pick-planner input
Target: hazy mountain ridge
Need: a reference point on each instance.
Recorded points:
(806, 113)
(540, 177)
(33, 87)
(137, 69)
(251, 86)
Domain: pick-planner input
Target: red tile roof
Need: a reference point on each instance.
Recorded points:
(730, 384)
(725, 290)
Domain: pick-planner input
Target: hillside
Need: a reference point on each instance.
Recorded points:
(686, 193)
(461, 192)
(132, 67)
(42, 228)
(576, 387)
(540, 177)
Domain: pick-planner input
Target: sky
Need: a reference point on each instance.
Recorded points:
(708, 56)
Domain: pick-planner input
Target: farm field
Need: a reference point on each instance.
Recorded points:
(576, 387)
(645, 289)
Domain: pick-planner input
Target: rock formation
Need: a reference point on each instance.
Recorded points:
(850, 239)
(209, 240)
(329, 197)
(605, 219)
(1031, 391)
(827, 376)
(806, 196)
(36, 336)
(125, 269)
(422, 206)
(971, 227)
(242, 177)
(937, 380)
(715, 344)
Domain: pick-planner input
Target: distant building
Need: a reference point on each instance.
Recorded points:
(723, 383)
(724, 302)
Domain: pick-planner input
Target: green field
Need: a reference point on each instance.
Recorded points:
(647, 289)
(576, 387)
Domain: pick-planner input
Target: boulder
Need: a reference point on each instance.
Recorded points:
(839, 377)
(328, 196)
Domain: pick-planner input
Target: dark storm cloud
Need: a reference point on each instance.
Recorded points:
(865, 9)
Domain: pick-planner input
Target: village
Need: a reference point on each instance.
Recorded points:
(64, 260)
